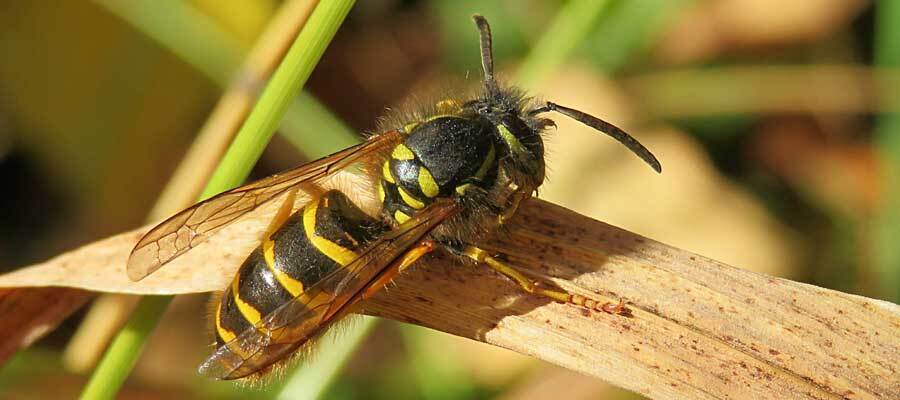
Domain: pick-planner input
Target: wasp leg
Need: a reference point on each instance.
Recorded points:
(407, 259)
(284, 212)
(515, 199)
(533, 287)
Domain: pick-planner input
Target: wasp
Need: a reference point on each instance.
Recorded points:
(446, 178)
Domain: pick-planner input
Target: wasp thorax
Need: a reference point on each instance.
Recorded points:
(445, 156)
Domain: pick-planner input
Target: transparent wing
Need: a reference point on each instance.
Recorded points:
(291, 325)
(187, 229)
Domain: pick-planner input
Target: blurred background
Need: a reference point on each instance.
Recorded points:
(775, 122)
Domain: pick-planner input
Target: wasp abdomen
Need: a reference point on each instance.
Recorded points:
(323, 236)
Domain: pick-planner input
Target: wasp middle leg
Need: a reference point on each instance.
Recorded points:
(534, 287)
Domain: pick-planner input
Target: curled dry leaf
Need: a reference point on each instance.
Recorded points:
(29, 313)
(37, 307)
(697, 329)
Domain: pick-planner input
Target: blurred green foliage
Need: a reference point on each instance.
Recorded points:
(887, 54)
(102, 99)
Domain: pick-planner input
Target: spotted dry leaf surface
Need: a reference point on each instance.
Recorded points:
(698, 328)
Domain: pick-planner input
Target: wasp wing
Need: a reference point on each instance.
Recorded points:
(187, 229)
(294, 323)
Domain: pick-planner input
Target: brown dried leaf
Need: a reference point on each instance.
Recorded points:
(29, 313)
(699, 329)
(100, 266)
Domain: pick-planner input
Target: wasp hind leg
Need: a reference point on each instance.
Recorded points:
(402, 263)
(534, 287)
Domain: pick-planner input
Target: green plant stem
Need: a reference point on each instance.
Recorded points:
(569, 27)
(125, 349)
(887, 55)
(197, 40)
(290, 76)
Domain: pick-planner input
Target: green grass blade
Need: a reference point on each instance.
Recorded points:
(287, 81)
(197, 40)
(311, 381)
(887, 54)
(290, 76)
(572, 23)
(125, 349)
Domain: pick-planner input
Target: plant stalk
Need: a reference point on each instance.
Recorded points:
(248, 145)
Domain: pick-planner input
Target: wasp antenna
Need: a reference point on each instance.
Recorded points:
(487, 55)
(613, 131)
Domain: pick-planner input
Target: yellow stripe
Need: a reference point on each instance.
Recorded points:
(409, 199)
(514, 144)
(224, 333)
(386, 172)
(381, 194)
(250, 313)
(440, 115)
(448, 106)
(293, 286)
(461, 189)
(269, 251)
(427, 183)
(408, 128)
(488, 162)
(400, 216)
(334, 251)
(401, 152)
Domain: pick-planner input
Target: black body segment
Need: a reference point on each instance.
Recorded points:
(393, 205)
(451, 148)
(297, 256)
(228, 319)
(342, 222)
(531, 140)
(258, 287)
(323, 236)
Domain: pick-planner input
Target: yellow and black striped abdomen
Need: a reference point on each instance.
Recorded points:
(322, 237)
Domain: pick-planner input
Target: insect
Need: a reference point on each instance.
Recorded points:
(443, 180)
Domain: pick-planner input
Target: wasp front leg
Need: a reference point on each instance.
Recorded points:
(515, 199)
(482, 257)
